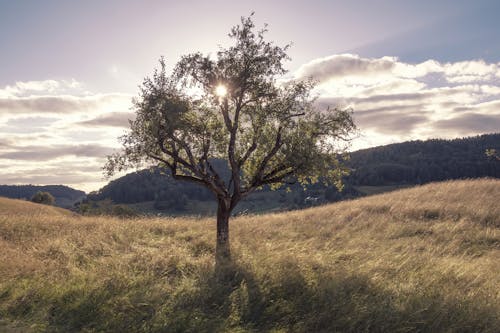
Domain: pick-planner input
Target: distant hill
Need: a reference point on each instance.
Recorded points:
(419, 162)
(375, 170)
(65, 196)
(154, 185)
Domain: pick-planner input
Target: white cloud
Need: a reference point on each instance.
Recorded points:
(48, 131)
(57, 132)
(112, 119)
(468, 71)
(64, 104)
(345, 65)
(416, 70)
(51, 152)
(46, 87)
(397, 101)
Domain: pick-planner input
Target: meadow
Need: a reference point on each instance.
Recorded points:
(423, 259)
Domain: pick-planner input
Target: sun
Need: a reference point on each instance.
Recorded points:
(221, 91)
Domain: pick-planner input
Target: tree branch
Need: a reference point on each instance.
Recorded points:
(216, 186)
(277, 179)
(276, 170)
(249, 152)
(260, 171)
(175, 154)
(173, 171)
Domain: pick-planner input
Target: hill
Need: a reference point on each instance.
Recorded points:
(16, 208)
(375, 170)
(420, 162)
(423, 259)
(65, 196)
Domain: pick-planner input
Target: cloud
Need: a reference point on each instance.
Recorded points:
(63, 104)
(395, 101)
(47, 104)
(43, 153)
(390, 120)
(27, 125)
(5, 143)
(113, 119)
(342, 65)
(336, 67)
(390, 124)
(471, 122)
(470, 71)
(44, 177)
(46, 87)
(55, 131)
(51, 132)
(39, 121)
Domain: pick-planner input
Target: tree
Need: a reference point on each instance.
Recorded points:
(43, 198)
(233, 107)
(492, 153)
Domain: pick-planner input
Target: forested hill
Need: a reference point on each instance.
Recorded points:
(155, 185)
(414, 162)
(419, 162)
(65, 196)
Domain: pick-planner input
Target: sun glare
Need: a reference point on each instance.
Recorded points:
(220, 91)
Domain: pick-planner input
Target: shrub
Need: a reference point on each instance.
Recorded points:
(44, 198)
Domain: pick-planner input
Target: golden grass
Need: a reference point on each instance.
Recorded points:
(424, 259)
(20, 207)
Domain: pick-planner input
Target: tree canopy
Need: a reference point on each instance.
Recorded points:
(43, 198)
(235, 106)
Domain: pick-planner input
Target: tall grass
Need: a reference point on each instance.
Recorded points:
(424, 259)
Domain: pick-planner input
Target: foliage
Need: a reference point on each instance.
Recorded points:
(268, 133)
(492, 153)
(103, 207)
(419, 260)
(43, 198)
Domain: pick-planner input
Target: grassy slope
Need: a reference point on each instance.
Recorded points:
(424, 259)
(14, 207)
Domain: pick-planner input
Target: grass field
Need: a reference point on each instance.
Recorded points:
(424, 259)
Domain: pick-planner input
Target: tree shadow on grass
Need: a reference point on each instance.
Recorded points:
(226, 299)
(233, 299)
(236, 298)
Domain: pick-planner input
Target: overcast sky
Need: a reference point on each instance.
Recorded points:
(409, 69)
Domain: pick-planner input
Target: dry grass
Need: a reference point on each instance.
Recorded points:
(424, 259)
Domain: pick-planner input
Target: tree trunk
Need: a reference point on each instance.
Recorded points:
(222, 251)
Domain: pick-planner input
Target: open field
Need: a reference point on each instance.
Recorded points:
(425, 259)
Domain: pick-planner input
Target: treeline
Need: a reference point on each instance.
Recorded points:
(64, 196)
(414, 162)
(419, 162)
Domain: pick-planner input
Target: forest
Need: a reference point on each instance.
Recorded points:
(390, 166)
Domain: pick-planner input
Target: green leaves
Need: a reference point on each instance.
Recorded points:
(270, 133)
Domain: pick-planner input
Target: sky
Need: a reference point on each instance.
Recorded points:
(410, 70)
